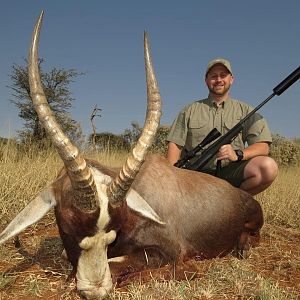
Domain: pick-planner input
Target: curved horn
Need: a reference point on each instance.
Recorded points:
(119, 187)
(79, 173)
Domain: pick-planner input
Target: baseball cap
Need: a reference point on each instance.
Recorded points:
(221, 61)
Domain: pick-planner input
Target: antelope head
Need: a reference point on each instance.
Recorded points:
(93, 193)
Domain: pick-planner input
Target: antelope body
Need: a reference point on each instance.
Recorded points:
(149, 206)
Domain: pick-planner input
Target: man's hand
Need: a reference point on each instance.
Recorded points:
(227, 152)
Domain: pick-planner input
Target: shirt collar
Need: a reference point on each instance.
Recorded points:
(211, 103)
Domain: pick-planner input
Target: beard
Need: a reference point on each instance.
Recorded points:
(219, 91)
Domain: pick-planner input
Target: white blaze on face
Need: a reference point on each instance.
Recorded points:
(93, 273)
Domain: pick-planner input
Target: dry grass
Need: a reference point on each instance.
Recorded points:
(24, 175)
(36, 271)
(281, 202)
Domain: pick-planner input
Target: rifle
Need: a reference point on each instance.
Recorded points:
(228, 137)
(215, 133)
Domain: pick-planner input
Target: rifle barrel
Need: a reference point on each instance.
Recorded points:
(287, 82)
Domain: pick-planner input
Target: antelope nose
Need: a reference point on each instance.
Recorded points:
(94, 295)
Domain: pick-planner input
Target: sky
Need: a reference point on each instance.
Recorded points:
(104, 39)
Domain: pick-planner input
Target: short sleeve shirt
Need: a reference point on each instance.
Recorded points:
(197, 119)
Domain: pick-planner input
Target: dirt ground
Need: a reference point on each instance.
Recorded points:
(35, 269)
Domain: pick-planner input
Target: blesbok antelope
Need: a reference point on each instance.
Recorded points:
(149, 205)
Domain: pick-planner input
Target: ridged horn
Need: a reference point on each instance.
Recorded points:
(85, 192)
(119, 187)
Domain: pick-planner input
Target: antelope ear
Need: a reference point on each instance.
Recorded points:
(137, 203)
(32, 213)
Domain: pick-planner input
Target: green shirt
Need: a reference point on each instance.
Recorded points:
(197, 119)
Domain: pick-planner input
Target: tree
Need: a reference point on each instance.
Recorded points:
(131, 135)
(108, 141)
(128, 139)
(56, 87)
(95, 113)
(159, 144)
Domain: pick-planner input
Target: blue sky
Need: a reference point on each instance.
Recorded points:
(105, 40)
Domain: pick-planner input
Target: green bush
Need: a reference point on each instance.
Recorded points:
(160, 144)
(285, 151)
(109, 141)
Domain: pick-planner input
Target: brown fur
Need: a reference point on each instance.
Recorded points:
(205, 217)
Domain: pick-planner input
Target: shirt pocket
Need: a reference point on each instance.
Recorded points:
(237, 143)
(197, 131)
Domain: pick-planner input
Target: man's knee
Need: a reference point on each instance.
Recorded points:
(269, 169)
(263, 167)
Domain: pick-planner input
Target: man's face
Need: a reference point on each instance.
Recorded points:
(219, 80)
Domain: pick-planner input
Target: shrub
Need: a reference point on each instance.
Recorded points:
(285, 151)
(109, 141)
(160, 144)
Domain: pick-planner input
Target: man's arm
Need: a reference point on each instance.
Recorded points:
(174, 152)
(256, 149)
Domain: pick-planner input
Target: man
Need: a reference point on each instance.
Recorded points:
(245, 162)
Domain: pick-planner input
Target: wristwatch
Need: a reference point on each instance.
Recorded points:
(240, 154)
